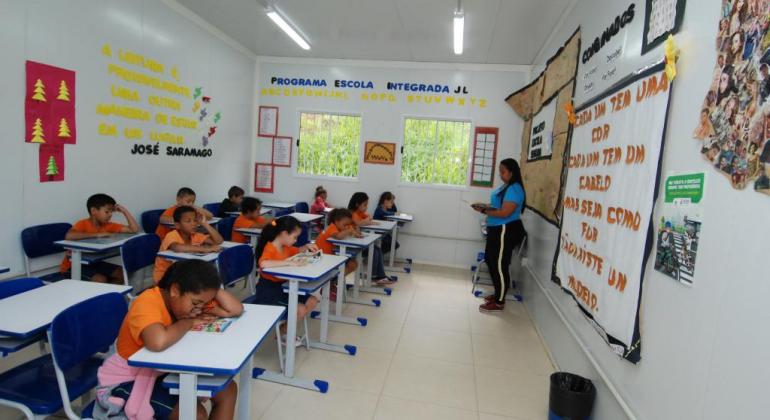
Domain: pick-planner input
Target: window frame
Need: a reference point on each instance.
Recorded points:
(402, 183)
(295, 159)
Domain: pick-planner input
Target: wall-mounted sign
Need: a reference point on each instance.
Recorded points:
(661, 18)
(263, 177)
(484, 156)
(380, 153)
(541, 134)
(268, 121)
(282, 151)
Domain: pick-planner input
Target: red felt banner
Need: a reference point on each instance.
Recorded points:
(51, 162)
(49, 99)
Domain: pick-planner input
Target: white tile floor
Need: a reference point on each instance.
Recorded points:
(427, 353)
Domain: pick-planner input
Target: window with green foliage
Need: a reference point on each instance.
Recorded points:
(435, 152)
(328, 144)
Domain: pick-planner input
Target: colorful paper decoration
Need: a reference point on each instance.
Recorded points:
(64, 93)
(672, 54)
(39, 91)
(51, 162)
(484, 157)
(38, 135)
(380, 152)
(64, 130)
(50, 98)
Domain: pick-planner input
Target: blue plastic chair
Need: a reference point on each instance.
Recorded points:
(284, 212)
(212, 207)
(225, 227)
(235, 263)
(138, 253)
(302, 207)
(38, 241)
(151, 219)
(49, 383)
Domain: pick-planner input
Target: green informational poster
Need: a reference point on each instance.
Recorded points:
(679, 227)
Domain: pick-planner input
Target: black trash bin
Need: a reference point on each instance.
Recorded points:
(572, 397)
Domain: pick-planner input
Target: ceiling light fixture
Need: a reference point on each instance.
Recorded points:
(286, 27)
(459, 25)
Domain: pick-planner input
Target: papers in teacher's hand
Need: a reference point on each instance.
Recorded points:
(478, 206)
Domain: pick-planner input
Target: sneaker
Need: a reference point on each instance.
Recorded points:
(491, 307)
(297, 341)
(490, 298)
(384, 282)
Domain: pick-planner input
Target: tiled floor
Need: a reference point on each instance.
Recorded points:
(427, 353)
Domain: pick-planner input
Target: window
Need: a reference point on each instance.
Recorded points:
(435, 152)
(328, 144)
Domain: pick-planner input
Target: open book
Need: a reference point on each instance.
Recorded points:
(217, 326)
(308, 257)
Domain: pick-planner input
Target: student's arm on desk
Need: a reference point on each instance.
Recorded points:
(229, 305)
(156, 337)
(132, 227)
(180, 247)
(73, 235)
(279, 263)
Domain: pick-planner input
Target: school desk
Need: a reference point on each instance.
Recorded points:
(279, 205)
(208, 256)
(262, 211)
(85, 251)
(251, 233)
(360, 284)
(306, 218)
(306, 280)
(213, 221)
(386, 226)
(201, 355)
(327, 210)
(400, 219)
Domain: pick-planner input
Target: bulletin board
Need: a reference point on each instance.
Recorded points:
(543, 178)
(484, 157)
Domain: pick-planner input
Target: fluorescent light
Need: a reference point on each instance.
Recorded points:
(275, 17)
(459, 24)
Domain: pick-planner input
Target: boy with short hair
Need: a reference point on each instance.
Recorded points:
(250, 218)
(184, 197)
(100, 208)
(186, 238)
(233, 201)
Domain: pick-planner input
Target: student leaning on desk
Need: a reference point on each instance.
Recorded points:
(188, 295)
(341, 226)
(358, 204)
(186, 238)
(184, 197)
(250, 217)
(100, 208)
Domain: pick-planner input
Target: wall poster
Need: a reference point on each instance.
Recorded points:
(661, 19)
(606, 234)
(679, 227)
(268, 121)
(380, 152)
(263, 177)
(541, 134)
(554, 86)
(734, 120)
(484, 157)
(282, 151)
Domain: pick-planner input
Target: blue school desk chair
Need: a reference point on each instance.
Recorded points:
(213, 208)
(302, 207)
(225, 227)
(45, 385)
(151, 219)
(138, 253)
(236, 263)
(10, 288)
(38, 241)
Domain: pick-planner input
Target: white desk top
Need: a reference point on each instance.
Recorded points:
(279, 205)
(215, 353)
(306, 217)
(4, 269)
(212, 221)
(29, 312)
(262, 211)
(208, 257)
(381, 226)
(401, 217)
(328, 210)
(364, 242)
(308, 272)
(99, 244)
(249, 231)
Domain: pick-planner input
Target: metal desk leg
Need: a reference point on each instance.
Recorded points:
(323, 344)
(367, 286)
(359, 279)
(244, 390)
(337, 315)
(393, 237)
(77, 260)
(188, 396)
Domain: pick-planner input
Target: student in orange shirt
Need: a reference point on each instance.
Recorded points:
(188, 295)
(358, 204)
(186, 238)
(184, 197)
(275, 248)
(250, 218)
(341, 226)
(100, 208)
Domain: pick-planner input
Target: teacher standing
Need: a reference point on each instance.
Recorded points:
(505, 231)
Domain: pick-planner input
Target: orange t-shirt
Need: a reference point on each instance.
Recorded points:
(242, 222)
(162, 264)
(147, 309)
(271, 253)
(162, 230)
(359, 215)
(322, 241)
(87, 226)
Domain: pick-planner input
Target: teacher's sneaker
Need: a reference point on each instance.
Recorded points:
(491, 307)
(490, 298)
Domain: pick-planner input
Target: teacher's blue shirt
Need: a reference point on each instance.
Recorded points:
(514, 194)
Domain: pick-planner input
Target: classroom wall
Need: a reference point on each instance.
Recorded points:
(704, 347)
(71, 35)
(446, 230)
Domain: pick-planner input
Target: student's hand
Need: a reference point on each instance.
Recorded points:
(296, 263)
(199, 217)
(213, 248)
(120, 209)
(102, 234)
(311, 247)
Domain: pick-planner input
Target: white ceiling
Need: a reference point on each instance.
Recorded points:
(496, 31)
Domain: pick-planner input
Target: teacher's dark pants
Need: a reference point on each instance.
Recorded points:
(501, 241)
